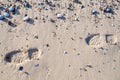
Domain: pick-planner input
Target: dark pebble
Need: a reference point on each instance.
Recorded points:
(47, 45)
(20, 68)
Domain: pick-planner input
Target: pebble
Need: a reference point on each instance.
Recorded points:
(20, 68)
(36, 65)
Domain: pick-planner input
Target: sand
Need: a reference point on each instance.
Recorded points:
(77, 46)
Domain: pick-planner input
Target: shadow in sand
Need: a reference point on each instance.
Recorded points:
(9, 55)
(90, 37)
(107, 36)
(31, 52)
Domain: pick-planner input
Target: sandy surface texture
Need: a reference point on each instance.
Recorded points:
(59, 39)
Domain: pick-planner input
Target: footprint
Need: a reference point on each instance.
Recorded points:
(19, 56)
(111, 39)
(8, 57)
(34, 53)
(94, 40)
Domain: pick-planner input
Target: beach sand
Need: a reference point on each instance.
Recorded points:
(80, 46)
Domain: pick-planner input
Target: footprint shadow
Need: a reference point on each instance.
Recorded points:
(18, 56)
(31, 52)
(9, 55)
(90, 37)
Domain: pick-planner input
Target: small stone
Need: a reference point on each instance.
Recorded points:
(78, 54)
(80, 37)
(36, 18)
(85, 69)
(36, 65)
(69, 65)
(65, 52)
(36, 37)
(9, 23)
(99, 71)
(53, 21)
(90, 66)
(47, 45)
(27, 73)
(82, 6)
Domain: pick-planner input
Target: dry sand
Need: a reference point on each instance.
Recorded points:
(81, 46)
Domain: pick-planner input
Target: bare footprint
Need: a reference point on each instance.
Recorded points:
(18, 56)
